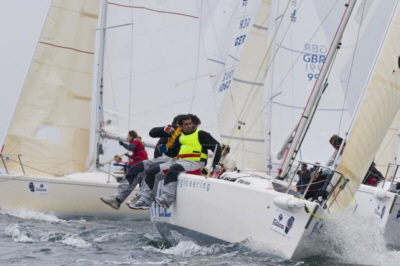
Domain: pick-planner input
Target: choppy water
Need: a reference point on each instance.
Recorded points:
(33, 238)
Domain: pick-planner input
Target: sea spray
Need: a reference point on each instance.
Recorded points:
(350, 238)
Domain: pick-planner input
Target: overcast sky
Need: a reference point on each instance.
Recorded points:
(20, 24)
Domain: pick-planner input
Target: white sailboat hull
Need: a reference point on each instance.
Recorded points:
(73, 196)
(219, 211)
(384, 206)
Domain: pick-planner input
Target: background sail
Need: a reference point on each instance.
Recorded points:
(241, 117)
(156, 68)
(303, 32)
(379, 106)
(224, 62)
(218, 25)
(50, 126)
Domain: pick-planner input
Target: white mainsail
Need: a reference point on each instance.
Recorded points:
(50, 126)
(241, 116)
(379, 106)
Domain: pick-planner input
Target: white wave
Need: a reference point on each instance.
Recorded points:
(189, 249)
(107, 237)
(14, 231)
(32, 215)
(75, 241)
(106, 262)
(352, 239)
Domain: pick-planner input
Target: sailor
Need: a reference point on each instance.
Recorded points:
(226, 164)
(166, 135)
(373, 176)
(136, 146)
(304, 178)
(119, 162)
(191, 150)
(139, 154)
(228, 161)
(137, 171)
(338, 144)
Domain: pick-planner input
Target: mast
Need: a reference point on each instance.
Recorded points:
(316, 93)
(99, 84)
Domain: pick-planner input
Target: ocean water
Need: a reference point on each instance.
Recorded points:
(35, 238)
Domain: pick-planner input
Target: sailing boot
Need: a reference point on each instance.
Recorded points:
(145, 200)
(112, 201)
(168, 196)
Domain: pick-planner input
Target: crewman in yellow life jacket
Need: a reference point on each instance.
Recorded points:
(167, 136)
(190, 148)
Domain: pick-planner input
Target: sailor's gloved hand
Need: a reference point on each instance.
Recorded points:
(162, 148)
(121, 143)
(169, 129)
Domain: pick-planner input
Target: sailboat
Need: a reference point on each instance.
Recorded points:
(347, 80)
(55, 140)
(382, 202)
(267, 211)
(47, 143)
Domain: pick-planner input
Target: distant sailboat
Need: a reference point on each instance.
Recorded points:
(59, 119)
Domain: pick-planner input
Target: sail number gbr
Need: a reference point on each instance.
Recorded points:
(314, 57)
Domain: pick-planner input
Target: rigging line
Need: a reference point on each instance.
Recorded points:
(130, 100)
(214, 29)
(274, 37)
(111, 84)
(300, 53)
(45, 170)
(351, 69)
(302, 107)
(196, 77)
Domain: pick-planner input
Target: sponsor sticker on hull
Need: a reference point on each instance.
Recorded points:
(282, 222)
(39, 187)
(380, 210)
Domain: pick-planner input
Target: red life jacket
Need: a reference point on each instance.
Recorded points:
(139, 153)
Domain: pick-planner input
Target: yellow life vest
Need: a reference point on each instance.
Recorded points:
(191, 147)
(174, 135)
